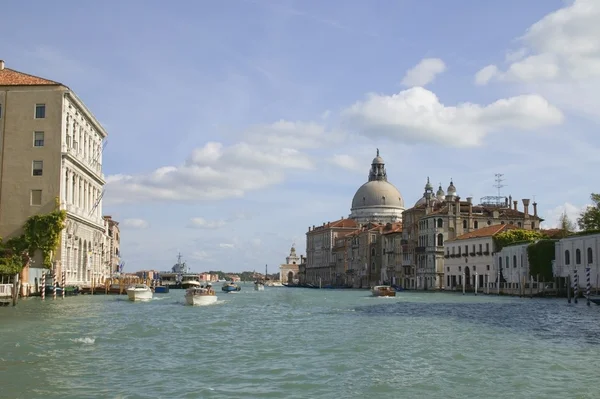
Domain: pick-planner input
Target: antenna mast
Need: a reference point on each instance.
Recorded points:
(499, 185)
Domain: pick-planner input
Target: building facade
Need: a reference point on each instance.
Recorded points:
(440, 216)
(52, 153)
(469, 259)
(112, 244)
(575, 254)
(288, 272)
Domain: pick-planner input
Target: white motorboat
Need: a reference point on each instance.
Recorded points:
(139, 292)
(200, 296)
(259, 286)
(190, 284)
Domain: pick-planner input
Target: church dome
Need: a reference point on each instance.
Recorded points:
(377, 200)
(377, 193)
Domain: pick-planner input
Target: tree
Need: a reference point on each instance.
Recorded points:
(514, 236)
(565, 225)
(589, 219)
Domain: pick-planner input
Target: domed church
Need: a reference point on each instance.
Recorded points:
(377, 200)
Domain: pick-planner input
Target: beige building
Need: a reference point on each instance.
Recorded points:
(288, 272)
(52, 149)
(113, 244)
(391, 268)
(470, 257)
(440, 216)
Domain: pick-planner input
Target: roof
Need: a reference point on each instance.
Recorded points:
(488, 231)
(377, 193)
(10, 77)
(391, 228)
(338, 224)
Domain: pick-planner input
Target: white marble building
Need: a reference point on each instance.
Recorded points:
(578, 253)
(513, 263)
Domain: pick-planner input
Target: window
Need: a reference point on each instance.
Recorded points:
(464, 224)
(578, 256)
(38, 139)
(590, 256)
(440, 240)
(487, 267)
(476, 224)
(36, 197)
(440, 223)
(38, 167)
(500, 262)
(567, 257)
(40, 111)
(0, 111)
(532, 225)
(514, 260)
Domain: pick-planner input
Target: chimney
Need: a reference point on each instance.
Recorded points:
(509, 200)
(515, 205)
(506, 202)
(470, 200)
(526, 207)
(1, 65)
(535, 209)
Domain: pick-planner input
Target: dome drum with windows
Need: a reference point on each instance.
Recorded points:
(377, 200)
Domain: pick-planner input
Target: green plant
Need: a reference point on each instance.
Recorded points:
(514, 236)
(540, 255)
(40, 233)
(589, 219)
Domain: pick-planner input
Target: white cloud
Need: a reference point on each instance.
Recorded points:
(135, 223)
(559, 58)
(201, 223)
(484, 75)
(226, 246)
(201, 255)
(216, 171)
(417, 115)
(424, 72)
(298, 135)
(552, 216)
(347, 162)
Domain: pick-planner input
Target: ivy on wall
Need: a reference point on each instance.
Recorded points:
(540, 255)
(40, 233)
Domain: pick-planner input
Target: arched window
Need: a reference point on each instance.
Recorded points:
(514, 260)
(500, 262)
(578, 256)
(372, 251)
(464, 224)
(440, 223)
(567, 257)
(489, 222)
(590, 256)
(383, 200)
(440, 239)
(519, 224)
(507, 264)
(476, 224)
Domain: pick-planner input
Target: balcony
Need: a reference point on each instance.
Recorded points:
(471, 254)
(479, 253)
(77, 211)
(93, 167)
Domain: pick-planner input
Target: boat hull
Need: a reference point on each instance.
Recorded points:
(230, 288)
(383, 291)
(161, 289)
(200, 300)
(139, 295)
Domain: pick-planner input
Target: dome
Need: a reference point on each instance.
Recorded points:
(377, 193)
(451, 189)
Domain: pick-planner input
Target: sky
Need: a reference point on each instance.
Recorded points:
(236, 124)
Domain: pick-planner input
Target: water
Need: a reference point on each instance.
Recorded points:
(300, 343)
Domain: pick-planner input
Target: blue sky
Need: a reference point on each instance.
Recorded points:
(234, 125)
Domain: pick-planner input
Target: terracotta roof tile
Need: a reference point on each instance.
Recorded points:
(487, 231)
(10, 77)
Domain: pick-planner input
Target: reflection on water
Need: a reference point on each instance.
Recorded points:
(299, 343)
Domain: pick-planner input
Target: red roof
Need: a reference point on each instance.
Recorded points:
(10, 77)
(487, 231)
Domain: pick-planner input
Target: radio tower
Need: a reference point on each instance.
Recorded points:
(499, 185)
(496, 200)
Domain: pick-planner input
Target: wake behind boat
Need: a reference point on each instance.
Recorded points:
(139, 292)
(200, 296)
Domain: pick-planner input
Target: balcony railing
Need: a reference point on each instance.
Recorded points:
(75, 210)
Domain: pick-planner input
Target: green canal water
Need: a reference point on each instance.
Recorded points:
(300, 343)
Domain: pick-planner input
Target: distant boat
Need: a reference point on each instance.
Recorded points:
(139, 292)
(230, 287)
(200, 296)
(383, 290)
(259, 286)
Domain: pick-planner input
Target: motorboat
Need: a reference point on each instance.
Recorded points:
(139, 292)
(259, 286)
(200, 296)
(383, 290)
(185, 284)
(230, 287)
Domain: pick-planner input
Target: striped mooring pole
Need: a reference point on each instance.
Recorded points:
(55, 282)
(575, 285)
(43, 282)
(64, 278)
(588, 287)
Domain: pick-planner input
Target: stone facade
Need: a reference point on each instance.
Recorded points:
(288, 272)
(577, 253)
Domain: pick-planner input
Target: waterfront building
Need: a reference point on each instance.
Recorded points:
(470, 256)
(52, 149)
(441, 216)
(512, 262)
(576, 253)
(113, 244)
(288, 271)
(320, 265)
(391, 267)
